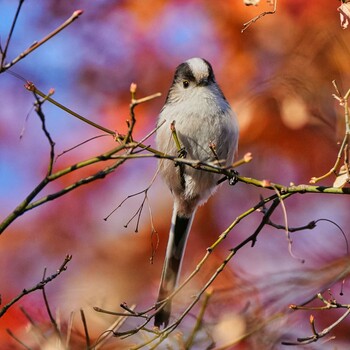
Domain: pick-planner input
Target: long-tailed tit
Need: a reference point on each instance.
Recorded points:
(208, 131)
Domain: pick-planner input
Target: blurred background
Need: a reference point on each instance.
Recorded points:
(277, 75)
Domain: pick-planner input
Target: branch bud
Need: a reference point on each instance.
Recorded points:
(133, 88)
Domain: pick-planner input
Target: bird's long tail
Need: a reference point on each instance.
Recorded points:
(179, 230)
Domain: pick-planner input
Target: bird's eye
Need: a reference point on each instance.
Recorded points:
(186, 84)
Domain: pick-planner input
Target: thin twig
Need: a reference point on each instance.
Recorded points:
(101, 174)
(38, 286)
(343, 101)
(52, 319)
(333, 170)
(287, 231)
(199, 319)
(128, 311)
(78, 145)
(310, 226)
(139, 212)
(317, 335)
(11, 334)
(135, 102)
(41, 115)
(108, 333)
(4, 51)
(37, 44)
(256, 18)
(86, 331)
(31, 87)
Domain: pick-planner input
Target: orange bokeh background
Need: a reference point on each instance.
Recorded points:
(277, 75)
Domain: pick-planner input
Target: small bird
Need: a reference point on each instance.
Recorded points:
(207, 131)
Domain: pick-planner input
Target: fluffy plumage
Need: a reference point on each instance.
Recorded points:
(202, 117)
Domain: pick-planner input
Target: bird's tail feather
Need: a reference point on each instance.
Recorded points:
(179, 230)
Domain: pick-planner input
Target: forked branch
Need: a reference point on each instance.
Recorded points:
(38, 286)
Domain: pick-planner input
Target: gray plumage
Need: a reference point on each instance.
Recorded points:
(202, 117)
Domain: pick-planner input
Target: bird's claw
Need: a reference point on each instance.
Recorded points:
(182, 153)
(233, 179)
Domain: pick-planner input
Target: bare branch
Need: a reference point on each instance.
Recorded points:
(37, 44)
(86, 331)
(41, 115)
(38, 286)
(11, 334)
(31, 87)
(135, 102)
(52, 319)
(199, 320)
(343, 101)
(256, 18)
(328, 304)
(107, 334)
(3, 52)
